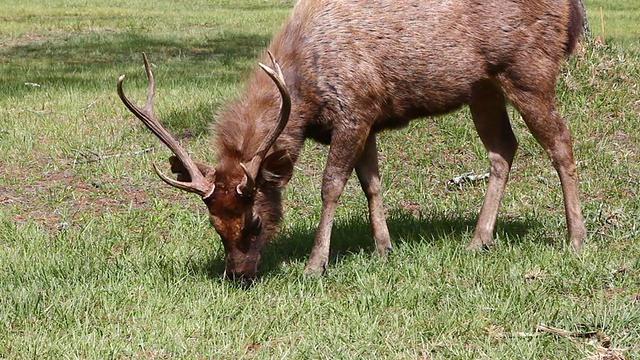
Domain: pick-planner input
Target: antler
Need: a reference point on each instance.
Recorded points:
(251, 169)
(198, 184)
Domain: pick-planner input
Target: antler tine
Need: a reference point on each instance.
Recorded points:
(247, 184)
(285, 107)
(252, 168)
(184, 185)
(148, 106)
(198, 184)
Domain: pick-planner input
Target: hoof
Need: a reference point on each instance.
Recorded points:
(480, 246)
(577, 245)
(312, 270)
(385, 251)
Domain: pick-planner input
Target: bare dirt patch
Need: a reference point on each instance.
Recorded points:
(61, 199)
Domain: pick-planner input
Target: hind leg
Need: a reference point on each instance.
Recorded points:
(488, 108)
(538, 109)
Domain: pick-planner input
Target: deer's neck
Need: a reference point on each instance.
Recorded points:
(248, 120)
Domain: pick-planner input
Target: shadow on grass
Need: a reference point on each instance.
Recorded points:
(354, 236)
(92, 62)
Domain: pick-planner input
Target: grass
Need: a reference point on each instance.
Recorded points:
(99, 259)
(615, 20)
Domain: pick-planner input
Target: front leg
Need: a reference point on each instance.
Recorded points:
(344, 151)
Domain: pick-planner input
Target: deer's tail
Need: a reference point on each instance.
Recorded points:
(574, 26)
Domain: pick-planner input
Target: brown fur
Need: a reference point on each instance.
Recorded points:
(356, 67)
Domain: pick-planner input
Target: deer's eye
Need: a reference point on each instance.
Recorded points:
(254, 226)
(256, 222)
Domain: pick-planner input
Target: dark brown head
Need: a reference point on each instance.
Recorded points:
(243, 199)
(245, 217)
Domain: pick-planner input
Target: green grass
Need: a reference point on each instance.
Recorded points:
(619, 19)
(100, 259)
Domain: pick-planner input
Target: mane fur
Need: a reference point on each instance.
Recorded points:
(246, 121)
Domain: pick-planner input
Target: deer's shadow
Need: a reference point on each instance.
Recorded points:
(354, 236)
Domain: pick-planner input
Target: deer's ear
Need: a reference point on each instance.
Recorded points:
(177, 167)
(276, 169)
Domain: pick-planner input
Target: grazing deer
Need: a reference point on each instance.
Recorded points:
(348, 69)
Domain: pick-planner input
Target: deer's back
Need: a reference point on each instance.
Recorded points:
(394, 60)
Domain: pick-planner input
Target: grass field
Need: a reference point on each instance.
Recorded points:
(99, 259)
(615, 20)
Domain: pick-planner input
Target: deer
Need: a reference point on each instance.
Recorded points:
(341, 71)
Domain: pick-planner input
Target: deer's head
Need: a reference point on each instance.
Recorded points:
(236, 194)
